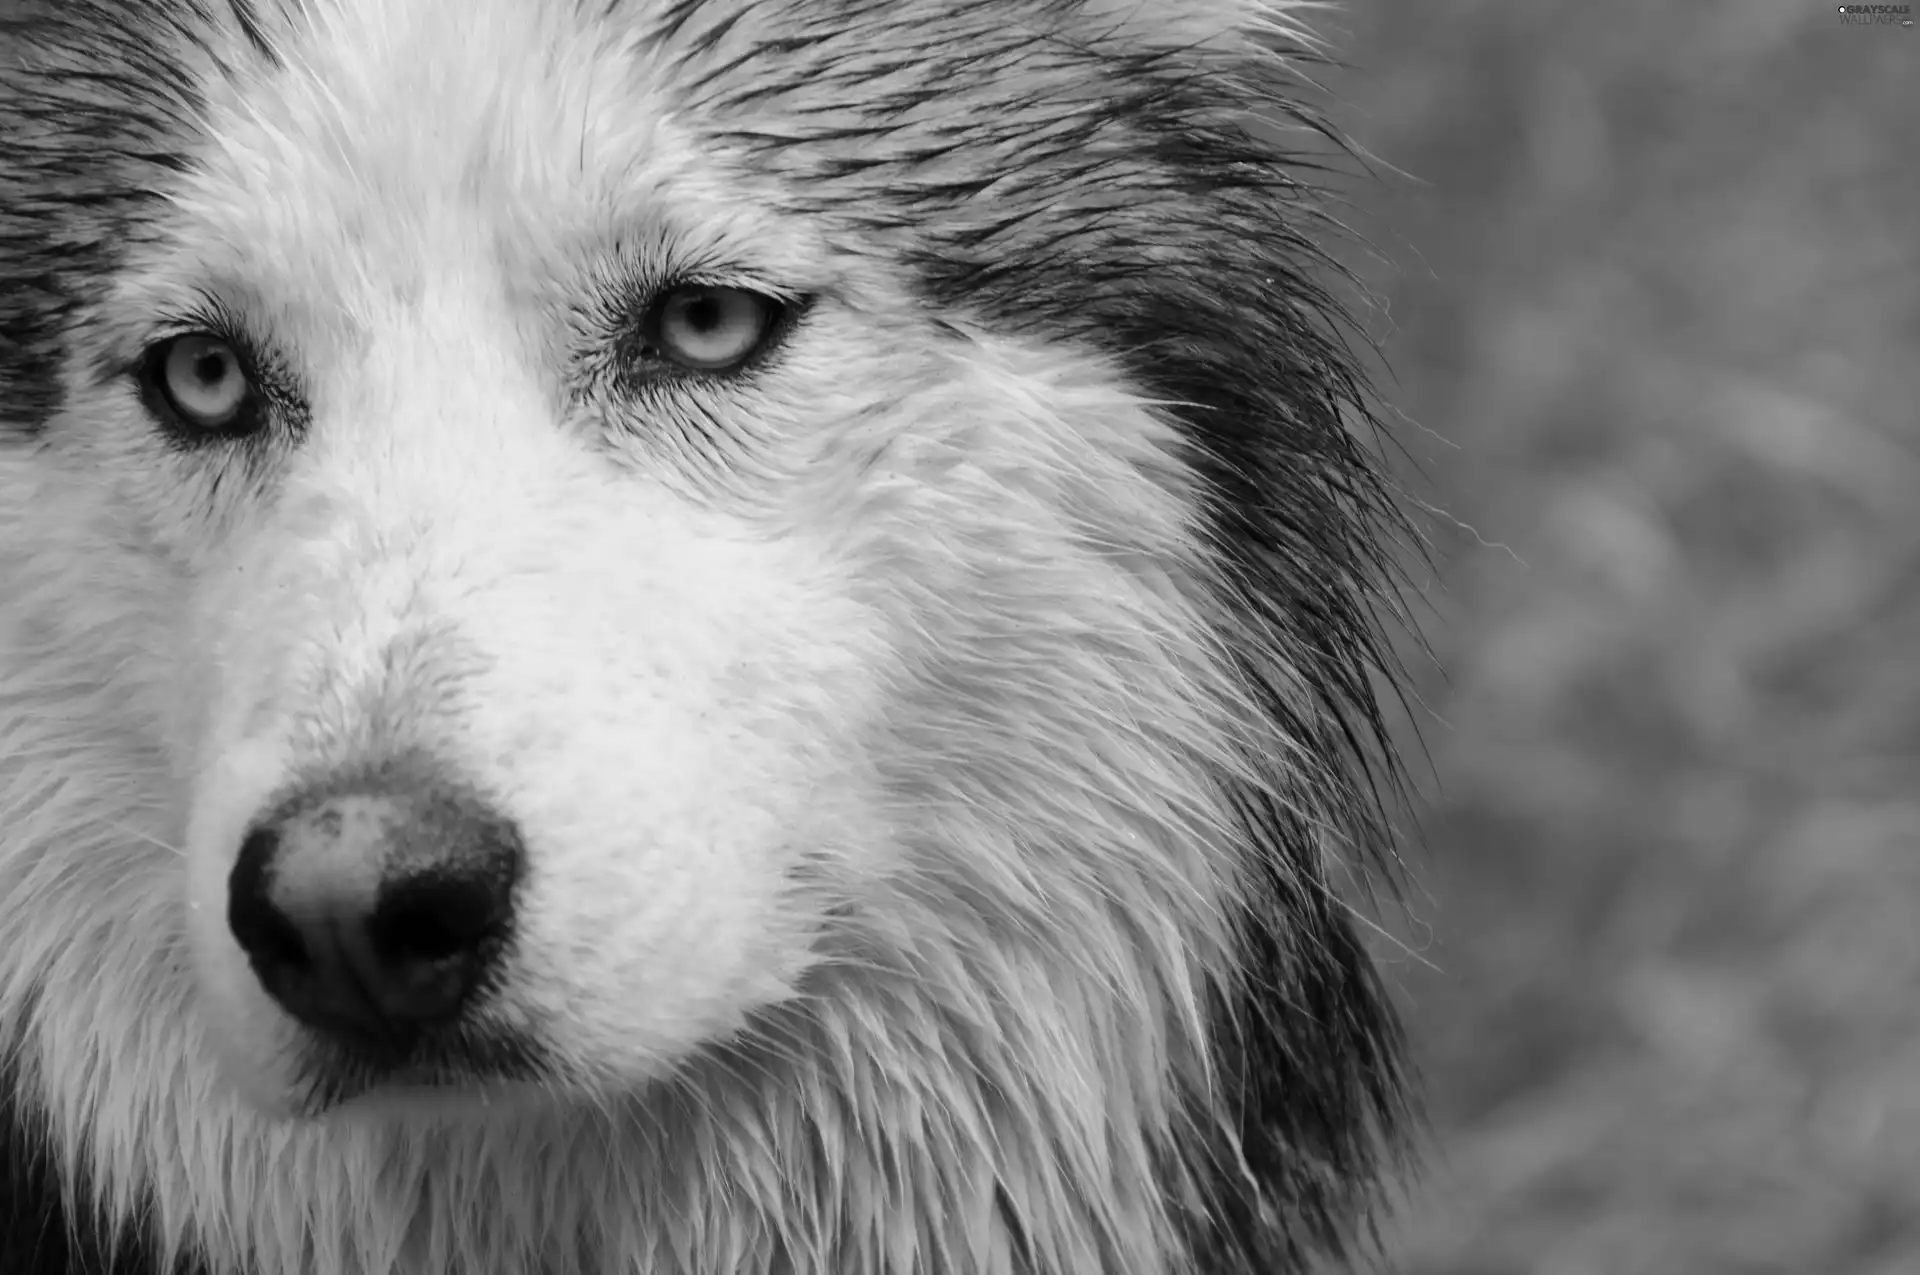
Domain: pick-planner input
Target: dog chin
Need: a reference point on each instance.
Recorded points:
(404, 1096)
(299, 1080)
(437, 1098)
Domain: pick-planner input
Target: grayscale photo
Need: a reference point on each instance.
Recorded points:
(959, 637)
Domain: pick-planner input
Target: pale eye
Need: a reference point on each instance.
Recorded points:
(710, 329)
(200, 380)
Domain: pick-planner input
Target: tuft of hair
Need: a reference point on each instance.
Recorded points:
(1062, 482)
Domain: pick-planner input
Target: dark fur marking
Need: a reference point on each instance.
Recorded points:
(96, 102)
(37, 1231)
(248, 18)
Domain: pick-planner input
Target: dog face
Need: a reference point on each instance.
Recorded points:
(477, 515)
(486, 515)
(632, 546)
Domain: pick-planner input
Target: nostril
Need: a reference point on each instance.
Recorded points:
(435, 918)
(263, 931)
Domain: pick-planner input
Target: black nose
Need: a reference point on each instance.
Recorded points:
(374, 908)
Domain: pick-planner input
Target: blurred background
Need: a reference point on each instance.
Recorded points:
(1651, 281)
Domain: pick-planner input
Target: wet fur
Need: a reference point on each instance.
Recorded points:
(1076, 562)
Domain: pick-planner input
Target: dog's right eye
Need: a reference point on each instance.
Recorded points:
(199, 385)
(709, 329)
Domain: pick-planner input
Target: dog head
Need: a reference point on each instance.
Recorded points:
(799, 562)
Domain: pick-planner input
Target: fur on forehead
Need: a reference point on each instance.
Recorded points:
(1195, 30)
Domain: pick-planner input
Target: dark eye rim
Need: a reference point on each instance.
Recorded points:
(648, 353)
(151, 376)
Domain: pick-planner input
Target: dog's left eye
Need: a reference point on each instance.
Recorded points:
(709, 329)
(199, 384)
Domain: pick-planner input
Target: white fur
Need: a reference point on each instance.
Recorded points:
(858, 753)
